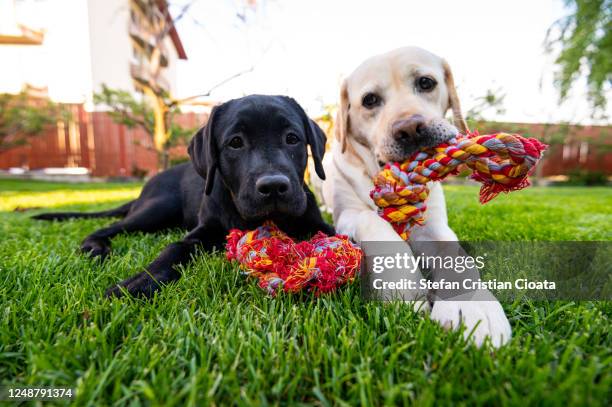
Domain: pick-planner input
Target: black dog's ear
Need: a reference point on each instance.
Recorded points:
(317, 140)
(195, 152)
(204, 153)
(315, 137)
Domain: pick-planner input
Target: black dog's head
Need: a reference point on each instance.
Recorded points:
(256, 146)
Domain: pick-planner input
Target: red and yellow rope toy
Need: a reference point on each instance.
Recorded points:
(502, 162)
(321, 264)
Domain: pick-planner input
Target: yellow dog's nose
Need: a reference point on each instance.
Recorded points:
(408, 128)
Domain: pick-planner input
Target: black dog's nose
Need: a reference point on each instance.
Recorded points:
(408, 128)
(270, 185)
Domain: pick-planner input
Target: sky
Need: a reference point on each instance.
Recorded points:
(305, 48)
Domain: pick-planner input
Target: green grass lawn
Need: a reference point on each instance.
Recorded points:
(215, 337)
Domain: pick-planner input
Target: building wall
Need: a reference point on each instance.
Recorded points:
(86, 44)
(170, 72)
(61, 63)
(110, 44)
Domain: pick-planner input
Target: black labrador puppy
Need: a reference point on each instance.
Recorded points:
(247, 166)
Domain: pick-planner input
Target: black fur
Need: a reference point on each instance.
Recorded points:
(222, 188)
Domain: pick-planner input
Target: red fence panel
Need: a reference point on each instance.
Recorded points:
(92, 140)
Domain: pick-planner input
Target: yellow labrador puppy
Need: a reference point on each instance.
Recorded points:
(390, 106)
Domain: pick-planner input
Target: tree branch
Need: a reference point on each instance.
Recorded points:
(125, 114)
(170, 22)
(217, 85)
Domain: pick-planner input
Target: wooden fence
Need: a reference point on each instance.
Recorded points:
(92, 140)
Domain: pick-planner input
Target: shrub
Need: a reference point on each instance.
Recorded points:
(581, 176)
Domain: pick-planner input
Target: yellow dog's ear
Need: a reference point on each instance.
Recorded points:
(342, 117)
(453, 100)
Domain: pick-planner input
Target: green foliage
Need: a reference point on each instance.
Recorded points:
(491, 102)
(558, 134)
(126, 109)
(581, 176)
(22, 117)
(139, 172)
(585, 39)
(215, 338)
(180, 135)
(178, 160)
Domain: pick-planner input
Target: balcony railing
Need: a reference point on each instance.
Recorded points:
(146, 40)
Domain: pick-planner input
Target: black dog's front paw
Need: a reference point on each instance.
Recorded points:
(141, 285)
(96, 249)
(328, 230)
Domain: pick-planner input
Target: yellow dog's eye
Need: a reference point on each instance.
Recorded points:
(425, 84)
(371, 100)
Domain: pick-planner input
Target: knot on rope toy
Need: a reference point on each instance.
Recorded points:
(502, 162)
(320, 264)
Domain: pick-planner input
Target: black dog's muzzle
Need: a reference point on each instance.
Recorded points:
(273, 186)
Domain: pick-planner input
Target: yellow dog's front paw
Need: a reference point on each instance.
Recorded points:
(482, 320)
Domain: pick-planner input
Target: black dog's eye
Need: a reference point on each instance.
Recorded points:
(425, 84)
(292, 138)
(371, 100)
(236, 143)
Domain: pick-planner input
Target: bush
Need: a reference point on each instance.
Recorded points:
(580, 176)
(139, 173)
(178, 160)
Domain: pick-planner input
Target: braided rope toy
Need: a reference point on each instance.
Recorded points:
(502, 162)
(321, 264)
